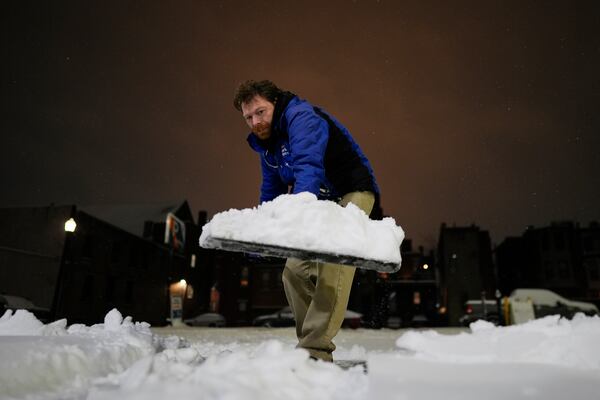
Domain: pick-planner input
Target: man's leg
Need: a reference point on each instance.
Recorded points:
(299, 279)
(325, 313)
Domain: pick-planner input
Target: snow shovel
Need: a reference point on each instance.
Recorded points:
(285, 252)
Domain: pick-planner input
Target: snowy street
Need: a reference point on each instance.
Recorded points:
(352, 344)
(549, 358)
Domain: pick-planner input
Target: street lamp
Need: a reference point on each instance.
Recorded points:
(70, 225)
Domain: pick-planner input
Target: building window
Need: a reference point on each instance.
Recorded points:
(453, 264)
(244, 277)
(416, 298)
(265, 280)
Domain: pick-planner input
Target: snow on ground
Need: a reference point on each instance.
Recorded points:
(550, 358)
(53, 361)
(301, 221)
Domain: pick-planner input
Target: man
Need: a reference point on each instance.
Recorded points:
(302, 148)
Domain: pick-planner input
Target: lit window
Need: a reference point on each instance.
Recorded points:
(244, 277)
(417, 298)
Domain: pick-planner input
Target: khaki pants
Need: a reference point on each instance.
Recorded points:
(318, 293)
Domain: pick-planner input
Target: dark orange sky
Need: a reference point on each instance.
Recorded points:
(469, 112)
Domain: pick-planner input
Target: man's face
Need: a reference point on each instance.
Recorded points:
(258, 113)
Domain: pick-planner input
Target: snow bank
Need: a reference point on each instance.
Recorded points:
(269, 371)
(301, 221)
(549, 358)
(53, 361)
(124, 360)
(393, 378)
(551, 340)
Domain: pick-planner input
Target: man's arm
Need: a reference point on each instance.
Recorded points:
(271, 186)
(308, 134)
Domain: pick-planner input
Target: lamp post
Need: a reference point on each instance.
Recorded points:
(70, 227)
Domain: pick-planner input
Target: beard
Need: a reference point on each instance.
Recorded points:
(262, 130)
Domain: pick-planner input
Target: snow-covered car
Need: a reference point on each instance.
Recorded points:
(546, 302)
(352, 320)
(281, 318)
(284, 318)
(477, 309)
(11, 302)
(207, 319)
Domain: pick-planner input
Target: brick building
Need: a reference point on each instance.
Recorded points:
(114, 258)
(466, 267)
(562, 257)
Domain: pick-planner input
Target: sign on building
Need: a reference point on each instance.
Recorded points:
(175, 232)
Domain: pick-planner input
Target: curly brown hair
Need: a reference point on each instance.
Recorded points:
(247, 90)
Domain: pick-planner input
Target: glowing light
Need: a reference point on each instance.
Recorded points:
(417, 298)
(70, 225)
(182, 282)
(425, 266)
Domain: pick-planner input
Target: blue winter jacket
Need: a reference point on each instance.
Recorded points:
(310, 151)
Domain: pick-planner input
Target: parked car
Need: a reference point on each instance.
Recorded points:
(420, 321)
(11, 302)
(207, 319)
(285, 318)
(352, 320)
(546, 302)
(478, 309)
(394, 322)
(281, 318)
